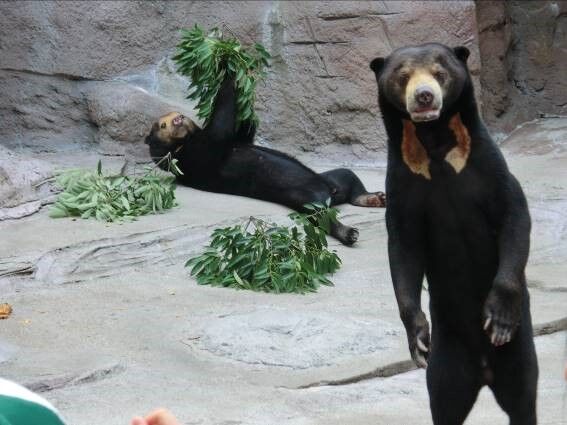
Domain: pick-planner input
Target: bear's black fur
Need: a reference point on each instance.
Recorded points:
(457, 216)
(221, 159)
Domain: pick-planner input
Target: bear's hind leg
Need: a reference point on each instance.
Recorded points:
(347, 187)
(453, 382)
(346, 234)
(297, 198)
(515, 372)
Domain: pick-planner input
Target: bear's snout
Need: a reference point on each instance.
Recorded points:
(424, 96)
(178, 120)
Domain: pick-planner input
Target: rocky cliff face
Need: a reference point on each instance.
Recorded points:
(78, 75)
(523, 48)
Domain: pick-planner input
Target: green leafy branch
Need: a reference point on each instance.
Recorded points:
(208, 58)
(114, 197)
(270, 258)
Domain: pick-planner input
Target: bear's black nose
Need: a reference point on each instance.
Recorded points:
(424, 96)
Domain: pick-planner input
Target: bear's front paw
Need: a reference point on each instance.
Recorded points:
(419, 340)
(502, 312)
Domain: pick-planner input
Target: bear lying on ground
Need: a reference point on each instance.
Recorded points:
(221, 159)
(456, 215)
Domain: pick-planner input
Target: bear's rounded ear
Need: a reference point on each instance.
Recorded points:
(377, 64)
(462, 53)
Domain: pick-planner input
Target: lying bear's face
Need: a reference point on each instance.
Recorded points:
(170, 130)
(422, 80)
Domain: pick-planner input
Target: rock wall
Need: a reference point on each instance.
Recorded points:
(78, 75)
(523, 48)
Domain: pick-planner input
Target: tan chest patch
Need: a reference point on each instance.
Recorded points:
(416, 158)
(413, 153)
(459, 155)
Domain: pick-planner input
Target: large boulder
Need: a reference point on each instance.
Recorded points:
(124, 114)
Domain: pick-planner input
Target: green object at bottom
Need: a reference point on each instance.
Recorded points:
(16, 411)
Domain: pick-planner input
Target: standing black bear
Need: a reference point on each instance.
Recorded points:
(221, 159)
(456, 215)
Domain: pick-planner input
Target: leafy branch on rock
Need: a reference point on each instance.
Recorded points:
(267, 257)
(208, 58)
(114, 197)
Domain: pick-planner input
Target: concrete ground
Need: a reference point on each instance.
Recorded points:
(107, 323)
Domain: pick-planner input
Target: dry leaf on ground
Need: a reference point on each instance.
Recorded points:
(5, 310)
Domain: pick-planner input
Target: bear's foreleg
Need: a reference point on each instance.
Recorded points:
(347, 187)
(503, 306)
(405, 251)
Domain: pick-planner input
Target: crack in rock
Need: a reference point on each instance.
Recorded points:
(316, 42)
(16, 267)
(404, 366)
(386, 371)
(55, 383)
(61, 75)
(346, 16)
(547, 328)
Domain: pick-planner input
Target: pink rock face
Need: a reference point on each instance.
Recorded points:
(319, 97)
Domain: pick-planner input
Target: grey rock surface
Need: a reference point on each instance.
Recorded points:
(270, 337)
(46, 113)
(319, 97)
(107, 324)
(523, 48)
(23, 184)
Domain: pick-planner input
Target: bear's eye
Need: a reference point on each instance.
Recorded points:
(403, 79)
(162, 125)
(440, 76)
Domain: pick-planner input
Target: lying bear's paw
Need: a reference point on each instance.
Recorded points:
(351, 236)
(376, 200)
(502, 312)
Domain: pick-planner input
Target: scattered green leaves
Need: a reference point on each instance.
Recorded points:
(114, 197)
(270, 258)
(207, 58)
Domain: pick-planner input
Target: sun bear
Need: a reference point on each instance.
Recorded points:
(222, 158)
(457, 216)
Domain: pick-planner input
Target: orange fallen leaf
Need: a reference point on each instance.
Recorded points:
(5, 310)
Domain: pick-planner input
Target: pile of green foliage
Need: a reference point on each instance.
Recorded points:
(114, 197)
(270, 258)
(208, 58)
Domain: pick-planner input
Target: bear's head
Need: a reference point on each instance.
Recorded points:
(423, 81)
(169, 132)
